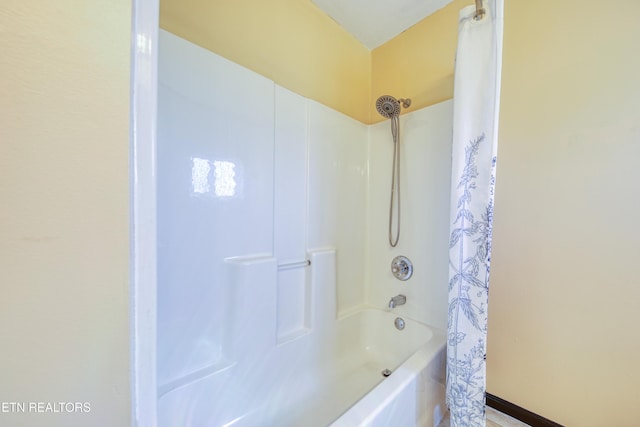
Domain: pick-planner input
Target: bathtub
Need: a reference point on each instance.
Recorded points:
(414, 393)
(331, 378)
(354, 391)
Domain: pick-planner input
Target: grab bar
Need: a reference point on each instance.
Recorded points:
(297, 264)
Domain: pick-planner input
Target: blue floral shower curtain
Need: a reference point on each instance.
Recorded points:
(475, 137)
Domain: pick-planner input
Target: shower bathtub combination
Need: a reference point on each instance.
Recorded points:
(273, 304)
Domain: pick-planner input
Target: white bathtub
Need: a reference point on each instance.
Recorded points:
(414, 394)
(335, 379)
(354, 392)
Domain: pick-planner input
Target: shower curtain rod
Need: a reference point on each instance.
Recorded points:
(479, 11)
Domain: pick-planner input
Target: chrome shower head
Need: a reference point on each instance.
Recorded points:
(388, 106)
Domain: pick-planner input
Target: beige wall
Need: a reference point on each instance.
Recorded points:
(291, 42)
(64, 144)
(565, 299)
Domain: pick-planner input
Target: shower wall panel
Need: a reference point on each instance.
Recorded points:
(338, 195)
(291, 146)
(290, 246)
(215, 197)
(425, 137)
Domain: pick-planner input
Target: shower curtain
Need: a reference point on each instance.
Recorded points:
(475, 137)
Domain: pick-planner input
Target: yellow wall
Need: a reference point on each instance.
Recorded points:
(565, 297)
(289, 41)
(299, 47)
(64, 242)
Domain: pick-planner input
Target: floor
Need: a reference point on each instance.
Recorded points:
(494, 419)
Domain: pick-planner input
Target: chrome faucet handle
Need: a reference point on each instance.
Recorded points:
(401, 268)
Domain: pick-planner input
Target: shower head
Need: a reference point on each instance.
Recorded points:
(389, 107)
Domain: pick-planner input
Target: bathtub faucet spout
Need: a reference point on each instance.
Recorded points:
(397, 300)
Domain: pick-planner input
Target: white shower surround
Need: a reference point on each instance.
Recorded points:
(309, 183)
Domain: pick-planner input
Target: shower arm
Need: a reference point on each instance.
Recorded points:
(406, 103)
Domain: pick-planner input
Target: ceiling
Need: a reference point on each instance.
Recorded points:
(374, 22)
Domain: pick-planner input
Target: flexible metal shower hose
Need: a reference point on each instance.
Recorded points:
(395, 181)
